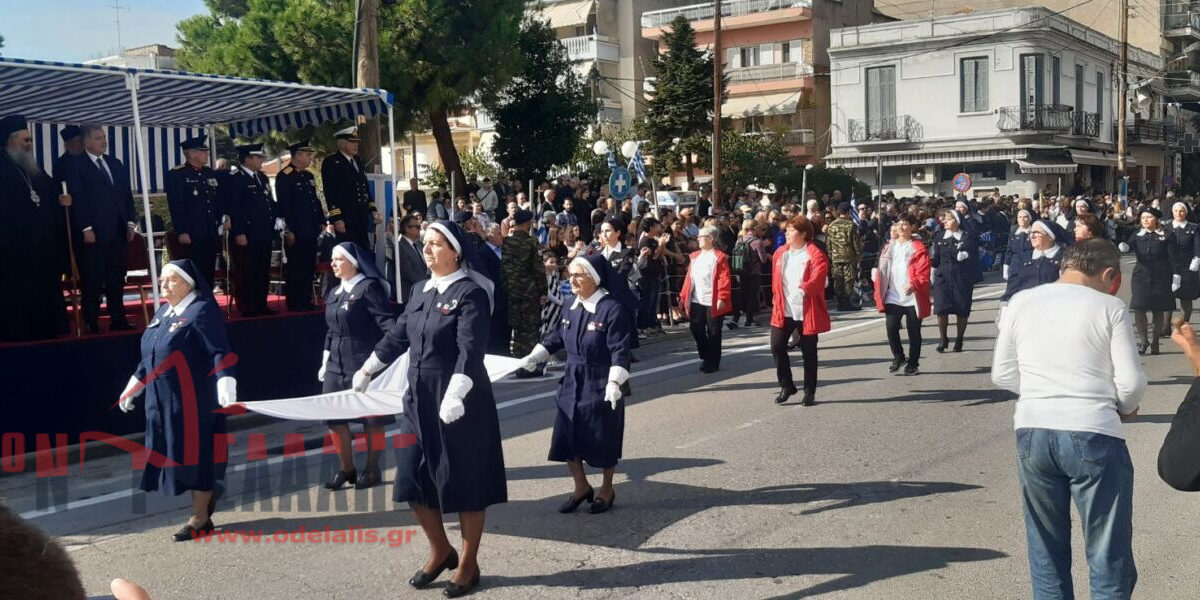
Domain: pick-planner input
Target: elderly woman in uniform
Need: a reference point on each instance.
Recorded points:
(458, 463)
(590, 423)
(357, 314)
(1154, 280)
(1039, 264)
(186, 371)
(1185, 235)
(956, 270)
(1018, 239)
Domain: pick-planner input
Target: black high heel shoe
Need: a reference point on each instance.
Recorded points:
(784, 395)
(454, 590)
(340, 479)
(1142, 347)
(421, 579)
(958, 345)
(602, 505)
(189, 533)
(941, 347)
(368, 478)
(573, 503)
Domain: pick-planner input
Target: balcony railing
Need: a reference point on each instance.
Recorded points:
(704, 12)
(1086, 124)
(1037, 117)
(887, 129)
(1150, 133)
(1180, 79)
(1179, 21)
(769, 72)
(590, 47)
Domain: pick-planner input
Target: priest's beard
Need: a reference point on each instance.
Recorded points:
(24, 159)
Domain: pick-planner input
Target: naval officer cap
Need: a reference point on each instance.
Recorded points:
(350, 134)
(245, 150)
(70, 132)
(301, 146)
(197, 142)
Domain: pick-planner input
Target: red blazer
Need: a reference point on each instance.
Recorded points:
(816, 314)
(722, 285)
(918, 276)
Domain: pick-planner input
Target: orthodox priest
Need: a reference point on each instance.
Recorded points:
(33, 248)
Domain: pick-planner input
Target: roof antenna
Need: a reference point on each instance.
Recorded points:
(117, 8)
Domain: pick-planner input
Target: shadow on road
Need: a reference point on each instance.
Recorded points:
(971, 397)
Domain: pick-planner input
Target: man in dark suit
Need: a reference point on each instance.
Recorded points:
(412, 259)
(303, 221)
(194, 199)
(351, 209)
(414, 198)
(254, 228)
(103, 219)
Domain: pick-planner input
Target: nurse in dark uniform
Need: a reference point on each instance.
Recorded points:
(457, 464)
(1185, 235)
(956, 270)
(1153, 281)
(590, 423)
(608, 243)
(185, 343)
(1018, 239)
(1040, 264)
(357, 314)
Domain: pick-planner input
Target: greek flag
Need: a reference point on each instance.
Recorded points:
(612, 161)
(854, 211)
(639, 166)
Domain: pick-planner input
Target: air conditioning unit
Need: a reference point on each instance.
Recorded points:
(922, 176)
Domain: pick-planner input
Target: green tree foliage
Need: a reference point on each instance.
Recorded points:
(542, 112)
(753, 160)
(822, 180)
(479, 163)
(682, 105)
(586, 162)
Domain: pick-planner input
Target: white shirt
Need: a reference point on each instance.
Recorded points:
(99, 162)
(953, 234)
(589, 303)
(901, 252)
(608, 252)
(183, 304)
(795, 263)
(703, 270)
(441, 283)
(1179, 224)
(348, 285)
(1069, 352)
(351, 159)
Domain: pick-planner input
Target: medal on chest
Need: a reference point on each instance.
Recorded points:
(446, 307)
(176, 325)
(595, 326)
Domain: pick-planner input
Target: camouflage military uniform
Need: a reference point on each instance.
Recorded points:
(845, 252)
(525, 281)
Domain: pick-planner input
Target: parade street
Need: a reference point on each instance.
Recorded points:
(890, 488)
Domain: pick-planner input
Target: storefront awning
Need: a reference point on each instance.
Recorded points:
(942, 156)
(763, 104)
(1101, 159)
(568, 14)
(1045, 165)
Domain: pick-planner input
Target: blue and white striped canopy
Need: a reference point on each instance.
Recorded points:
(72, 93)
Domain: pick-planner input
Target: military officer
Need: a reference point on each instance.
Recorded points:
(525, 281)
(845, 253)
(254, 226)
(303, 220)
(351, 209)
(193, 197)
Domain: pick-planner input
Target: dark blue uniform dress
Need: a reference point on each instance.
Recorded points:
(458, 466)
(1152, 275)
(1028, 272)
(586, 427)
(954, 280)
(357, 320)
(1018, 242)
(1187, 247)
(180, 401)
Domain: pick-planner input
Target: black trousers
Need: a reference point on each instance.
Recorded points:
(783, 363)
(893, 314)
(706, 329)
(102, 270)
(746, 300)
(204, 254)
(253, 273)
(301, 266)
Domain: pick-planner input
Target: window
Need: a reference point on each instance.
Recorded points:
(791, 52)
(973, 88)
(749, 56)
(766, 54)
(1055, 78)
(1100, 96)
(1078, 87)
(1031, 80)
(881, 101)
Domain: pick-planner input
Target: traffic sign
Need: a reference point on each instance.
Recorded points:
(620, 184)
(962, 183)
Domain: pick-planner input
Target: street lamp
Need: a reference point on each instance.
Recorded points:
(600, 148)
(804, 184)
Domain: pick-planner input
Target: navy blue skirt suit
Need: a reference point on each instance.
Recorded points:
(586, 427)
(1027, 272)
(1154, 271)
(1186, 240)
(357, 321)
(190, 350)
(458, 466)
(954, 280)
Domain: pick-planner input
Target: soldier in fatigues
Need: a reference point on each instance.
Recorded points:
(254, 228)
(351, 210)
(525, 280)
(845, 252)
(193, 196)
(303, 220)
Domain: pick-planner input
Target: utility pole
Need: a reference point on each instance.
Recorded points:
(366, 75)
(1122, 87)
(718, 74)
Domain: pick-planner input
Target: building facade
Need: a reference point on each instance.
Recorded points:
(1022, 100)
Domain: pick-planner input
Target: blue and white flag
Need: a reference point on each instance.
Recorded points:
(854, 216)
(612, 161)
(639, 166)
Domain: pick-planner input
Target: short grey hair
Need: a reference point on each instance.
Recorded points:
(1092, 257)
(88, 130)
(708, 230)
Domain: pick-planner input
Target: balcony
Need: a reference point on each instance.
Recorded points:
(704, 12)
(1150, 133)
(1086, 124)
(769, 72)
(1181, 24)
(590, 47)
(1051, 118)
(899, 128)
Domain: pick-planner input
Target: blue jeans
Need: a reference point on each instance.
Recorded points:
(1055, 467)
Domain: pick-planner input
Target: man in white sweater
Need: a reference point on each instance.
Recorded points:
(1068, 349)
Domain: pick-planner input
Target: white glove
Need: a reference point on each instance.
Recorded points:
(1006, 272)
(361, 380)
(875, 274)
(962, 256)
(612, 393)
(1176, 283)
(321, 371)
(535, 358)
(452, 408)
(280, 224)
(1195, 266)
(226, 391)
(129, 394)
(1123, 247)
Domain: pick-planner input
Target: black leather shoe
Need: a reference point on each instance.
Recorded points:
(421, 579)
(454, 590)
(341, 478)
(808, 400)
(573, 503)
(896, 364)
(1142, 347)
(732, 325)
(942, 345)
(911, 370)
(958, 345)
(1154, 349)
(784, 395)
(367, 479)
(189, 533)
(602, 505)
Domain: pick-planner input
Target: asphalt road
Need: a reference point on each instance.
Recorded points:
(890, 488)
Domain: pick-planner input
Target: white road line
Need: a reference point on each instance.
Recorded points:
(126, 493)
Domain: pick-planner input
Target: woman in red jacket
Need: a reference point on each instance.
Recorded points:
(902, 291)
(706, 297)
(798, 272)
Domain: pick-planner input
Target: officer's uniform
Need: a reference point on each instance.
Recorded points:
(525, 281)
(193, 197)
(303, 218)
(253, 212)
(346, 194)
(845, 252)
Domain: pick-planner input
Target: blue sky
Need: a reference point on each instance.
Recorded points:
(78, 30)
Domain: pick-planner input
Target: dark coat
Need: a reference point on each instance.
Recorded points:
(33, 252)
(194, 199)
(1152, 275)
(356, 322)
(185, 391)
(1018, 242)
(251, 206)
(298, 203)
(347, 196)
(1027, 272)
(585, 426)
(1186, 240)
(105, 207)
(458, 466)
(954, 280)
(412, 269)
